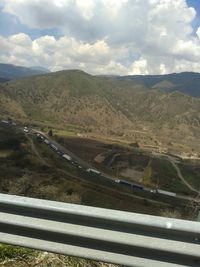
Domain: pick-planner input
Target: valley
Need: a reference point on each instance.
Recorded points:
(130, 135)
(99, 133)
(157, 188)
(107, 108)
(101, 142)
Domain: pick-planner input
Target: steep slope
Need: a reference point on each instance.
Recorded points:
(67, 97)
(75, 96)
(104, 105)
(12, 72)
(9, 107)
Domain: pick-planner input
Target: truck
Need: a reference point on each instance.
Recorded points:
(4, 121)
(93, 171)
(137, 186)
(54, 147)
(167, 193)
(132, 185)
(126, 183)
(67, 157)
(46, 141)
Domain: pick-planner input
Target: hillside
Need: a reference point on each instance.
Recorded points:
(69, 96)
(106, 106)
(185, 82)
(12, 72)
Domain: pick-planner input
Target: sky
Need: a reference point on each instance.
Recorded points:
(119, 37)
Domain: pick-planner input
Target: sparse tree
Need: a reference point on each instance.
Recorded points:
(50, 133)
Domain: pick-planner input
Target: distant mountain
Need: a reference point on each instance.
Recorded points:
(185, 82)
(66, 95)
(12, 72)
(3, 80)
(41, 69)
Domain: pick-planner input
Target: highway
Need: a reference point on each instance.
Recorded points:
(84, 166)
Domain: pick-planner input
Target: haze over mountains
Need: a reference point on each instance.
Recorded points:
(12, 72)
(115, 106)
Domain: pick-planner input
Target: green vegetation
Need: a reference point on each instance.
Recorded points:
(171, 214)
(23, 257)
(64, 133)
(147, 175)
(191, 175)
(8, 140)
(164, 176)
(10, 252)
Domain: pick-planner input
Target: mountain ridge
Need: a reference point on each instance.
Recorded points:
(13, 72)
(185, 82)
(104, 105)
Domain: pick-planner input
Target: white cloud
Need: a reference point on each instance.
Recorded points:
(20, 39)
(198, 33)
(106, 36)
(86, 7)
(65, 52)
(139, 67)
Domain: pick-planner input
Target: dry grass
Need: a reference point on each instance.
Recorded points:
(46, 259)
(5, 153)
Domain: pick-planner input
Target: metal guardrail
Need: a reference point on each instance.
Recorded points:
(117, 237)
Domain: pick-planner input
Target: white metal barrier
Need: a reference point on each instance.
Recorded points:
(118, 237)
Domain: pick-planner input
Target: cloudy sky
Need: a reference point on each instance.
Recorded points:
(102, 36)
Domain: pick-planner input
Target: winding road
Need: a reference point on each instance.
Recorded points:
(179, 174)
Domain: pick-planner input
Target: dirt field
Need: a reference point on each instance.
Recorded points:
(132, 174)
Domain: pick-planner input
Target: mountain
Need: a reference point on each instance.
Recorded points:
(185, 82)
(3, 80)
(12, 72)
(40, 69)
(124, 108)
(67, 96)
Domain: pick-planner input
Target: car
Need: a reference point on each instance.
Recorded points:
(26, 130)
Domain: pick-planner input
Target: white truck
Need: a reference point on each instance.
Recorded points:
(93, 171)
(167, 193)
(46, 141)
(67, 157)
(4, 121)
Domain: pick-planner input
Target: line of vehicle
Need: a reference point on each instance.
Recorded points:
(81, 164)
